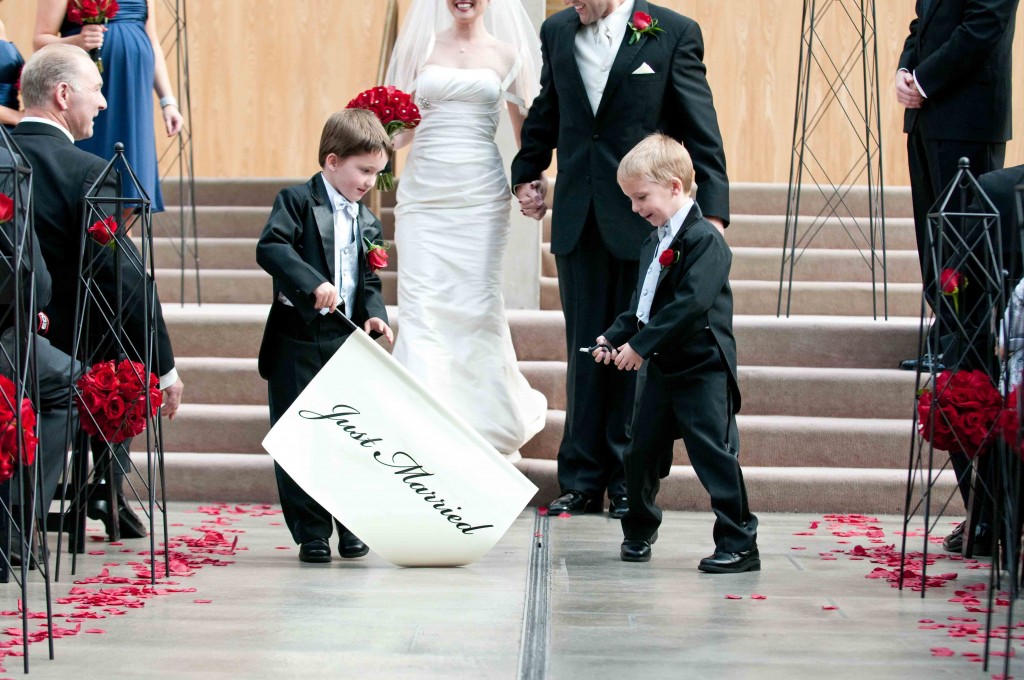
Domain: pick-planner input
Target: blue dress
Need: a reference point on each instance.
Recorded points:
(11, 62)
(128, 88)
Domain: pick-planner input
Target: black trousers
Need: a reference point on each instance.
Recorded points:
(694, 403)
(302, 352)
(595, 287)
(933, 164)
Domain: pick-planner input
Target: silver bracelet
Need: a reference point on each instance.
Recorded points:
(169, 100)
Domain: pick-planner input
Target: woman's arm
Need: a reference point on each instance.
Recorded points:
(10, 116)
(50, 16)
(516, 117)
(173, 119)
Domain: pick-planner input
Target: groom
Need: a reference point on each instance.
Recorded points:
(614, 71)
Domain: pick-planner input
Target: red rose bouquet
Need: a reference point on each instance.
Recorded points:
(92, 12)
(376, 254)
(112, 400)
(960, 413)
(10, 432)
(396, 112)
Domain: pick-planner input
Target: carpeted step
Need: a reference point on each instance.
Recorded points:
(237, 286)
(843, 342)
(223, 253)
(250, 478)
(213, 221)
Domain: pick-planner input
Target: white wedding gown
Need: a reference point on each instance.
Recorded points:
(451, 228)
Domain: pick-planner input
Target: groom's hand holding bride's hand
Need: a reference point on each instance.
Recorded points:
(531, 198)
(325, 297)
(376, 325)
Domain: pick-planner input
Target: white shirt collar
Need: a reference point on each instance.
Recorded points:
(675, 222)
(47, 121)
(338, 202)
(617, 20)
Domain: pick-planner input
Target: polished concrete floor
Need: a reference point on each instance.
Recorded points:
(258, 613)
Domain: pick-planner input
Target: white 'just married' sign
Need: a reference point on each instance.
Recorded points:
(414, 481)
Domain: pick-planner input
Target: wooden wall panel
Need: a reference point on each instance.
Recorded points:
(264, 81)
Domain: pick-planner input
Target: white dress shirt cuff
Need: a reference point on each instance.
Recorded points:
(168, 379)
(916, 84)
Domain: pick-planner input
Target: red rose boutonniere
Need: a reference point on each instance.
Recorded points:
(951, 281)
(668, 258)
(103, 231)
(6, 208)
(643, 24)
(376, 254)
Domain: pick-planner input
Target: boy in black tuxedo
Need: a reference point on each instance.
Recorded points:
(317, 245)
(679, 330)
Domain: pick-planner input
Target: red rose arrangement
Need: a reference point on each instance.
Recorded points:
(395, 110)
(951, 281)
(376, 254)
(112, 400)
(6, 208)
(668, 258)
(9, 431)
(92, 12)
(966, 408)
(643, 24)
(103, 231)
(1009, 422)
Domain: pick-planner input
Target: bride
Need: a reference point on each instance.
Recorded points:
(452, 214)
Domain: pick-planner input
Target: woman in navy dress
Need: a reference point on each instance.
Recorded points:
(11, 62)
(133, 67)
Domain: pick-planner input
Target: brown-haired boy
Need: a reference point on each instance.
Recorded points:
(678, 332)
(315, 247)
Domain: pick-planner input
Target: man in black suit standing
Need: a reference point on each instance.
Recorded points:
(954, 79)
(60, 87)
(614, 71)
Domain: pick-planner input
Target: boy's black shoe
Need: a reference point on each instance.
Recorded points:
(731, 563)
(350, 546)
(574, 502)
(635, 550)
(98, 507)
(315, 551)
(618, 507)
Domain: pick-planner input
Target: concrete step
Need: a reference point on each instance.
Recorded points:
(809, 297)
(767, 390)
(766, 441)
(745, 198)
(822, 341)
(250, 478)
(237, 286)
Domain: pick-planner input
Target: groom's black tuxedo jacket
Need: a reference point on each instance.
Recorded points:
(692, 304)
(62, 174)
(960, 51)
(297, 249)
(675, 99)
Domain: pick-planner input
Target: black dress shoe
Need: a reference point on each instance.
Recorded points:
(954, 543)
(982, 546)
(927, 363)
(617, 507)
(635, 550)
(98, 507)
(350, 546)
(316, 551)
(731, 563)
(574, 502)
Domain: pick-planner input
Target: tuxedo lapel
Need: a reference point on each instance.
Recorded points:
(928, 8)
(624, 59)
(323, 213)
(567, 41)
(366, 222)
(677, 243)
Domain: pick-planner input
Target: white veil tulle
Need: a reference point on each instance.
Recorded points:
(506, 20)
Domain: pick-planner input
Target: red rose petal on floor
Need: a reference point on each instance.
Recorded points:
(755, 596)
(202, 601)
(942, 651)
(283, 547)
(925, 621)
(97, 552)
(95, 631)
(734, 597)
(564, 514)
(829, 607)
(798, 547)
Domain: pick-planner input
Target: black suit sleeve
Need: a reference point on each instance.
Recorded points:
(276, 251)
(706, 271)
(696, 123)
(908, 58)
(969, 46)
(540, 129)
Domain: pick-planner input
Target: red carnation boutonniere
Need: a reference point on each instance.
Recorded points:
(376, 254)
(644, 24)
(103, 231)
(668, 258)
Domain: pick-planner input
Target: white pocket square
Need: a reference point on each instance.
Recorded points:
(644, 68)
